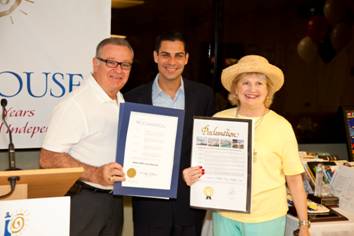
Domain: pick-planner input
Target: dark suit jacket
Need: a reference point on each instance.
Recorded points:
(199, 101)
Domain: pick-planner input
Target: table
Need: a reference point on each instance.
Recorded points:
(328, 228)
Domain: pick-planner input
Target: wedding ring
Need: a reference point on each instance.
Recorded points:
(110, 178)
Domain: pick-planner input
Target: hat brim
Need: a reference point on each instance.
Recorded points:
(272, 72)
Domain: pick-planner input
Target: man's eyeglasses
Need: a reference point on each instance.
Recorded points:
(115, 64)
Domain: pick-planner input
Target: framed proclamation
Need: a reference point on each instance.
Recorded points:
(149, 149)
(223, 147)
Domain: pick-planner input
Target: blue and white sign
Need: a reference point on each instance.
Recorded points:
(40, 217)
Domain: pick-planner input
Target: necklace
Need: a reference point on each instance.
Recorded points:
(257, 122)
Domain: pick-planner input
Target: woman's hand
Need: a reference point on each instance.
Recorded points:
(304, 231)
(192, 174)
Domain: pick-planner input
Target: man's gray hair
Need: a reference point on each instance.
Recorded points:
(113, 41)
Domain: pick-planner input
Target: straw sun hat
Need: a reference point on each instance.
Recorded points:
(252, 63)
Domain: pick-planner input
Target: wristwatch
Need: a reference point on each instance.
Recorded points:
(304, 222)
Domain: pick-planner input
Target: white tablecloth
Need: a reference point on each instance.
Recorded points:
(329, 228)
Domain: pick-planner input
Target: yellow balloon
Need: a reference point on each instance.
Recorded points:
(307, 49)
(334, 11)
(341, 36)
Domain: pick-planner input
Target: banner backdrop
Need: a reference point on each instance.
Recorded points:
(46, 48)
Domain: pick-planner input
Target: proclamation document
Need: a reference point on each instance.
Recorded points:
(149, 145)
(223, 147)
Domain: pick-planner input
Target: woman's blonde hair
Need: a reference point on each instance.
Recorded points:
(233, 98)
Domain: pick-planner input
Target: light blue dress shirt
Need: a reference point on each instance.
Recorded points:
(161, 99)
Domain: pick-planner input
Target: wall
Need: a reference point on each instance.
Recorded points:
(313, 89)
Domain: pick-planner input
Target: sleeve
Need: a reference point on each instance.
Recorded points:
(291, 160)
(66, 127)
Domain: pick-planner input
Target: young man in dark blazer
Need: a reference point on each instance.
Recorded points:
(160, 217)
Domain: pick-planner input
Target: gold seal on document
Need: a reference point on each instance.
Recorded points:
(131, 172)
(208, 192)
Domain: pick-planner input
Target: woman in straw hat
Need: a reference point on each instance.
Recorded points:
(252, 83)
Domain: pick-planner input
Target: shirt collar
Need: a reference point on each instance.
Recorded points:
(157, 91)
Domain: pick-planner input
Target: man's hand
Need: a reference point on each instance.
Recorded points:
(109, 173)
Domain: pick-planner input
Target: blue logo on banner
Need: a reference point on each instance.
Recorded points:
(14, 225)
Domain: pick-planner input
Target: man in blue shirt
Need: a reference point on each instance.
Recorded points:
(160, 217)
